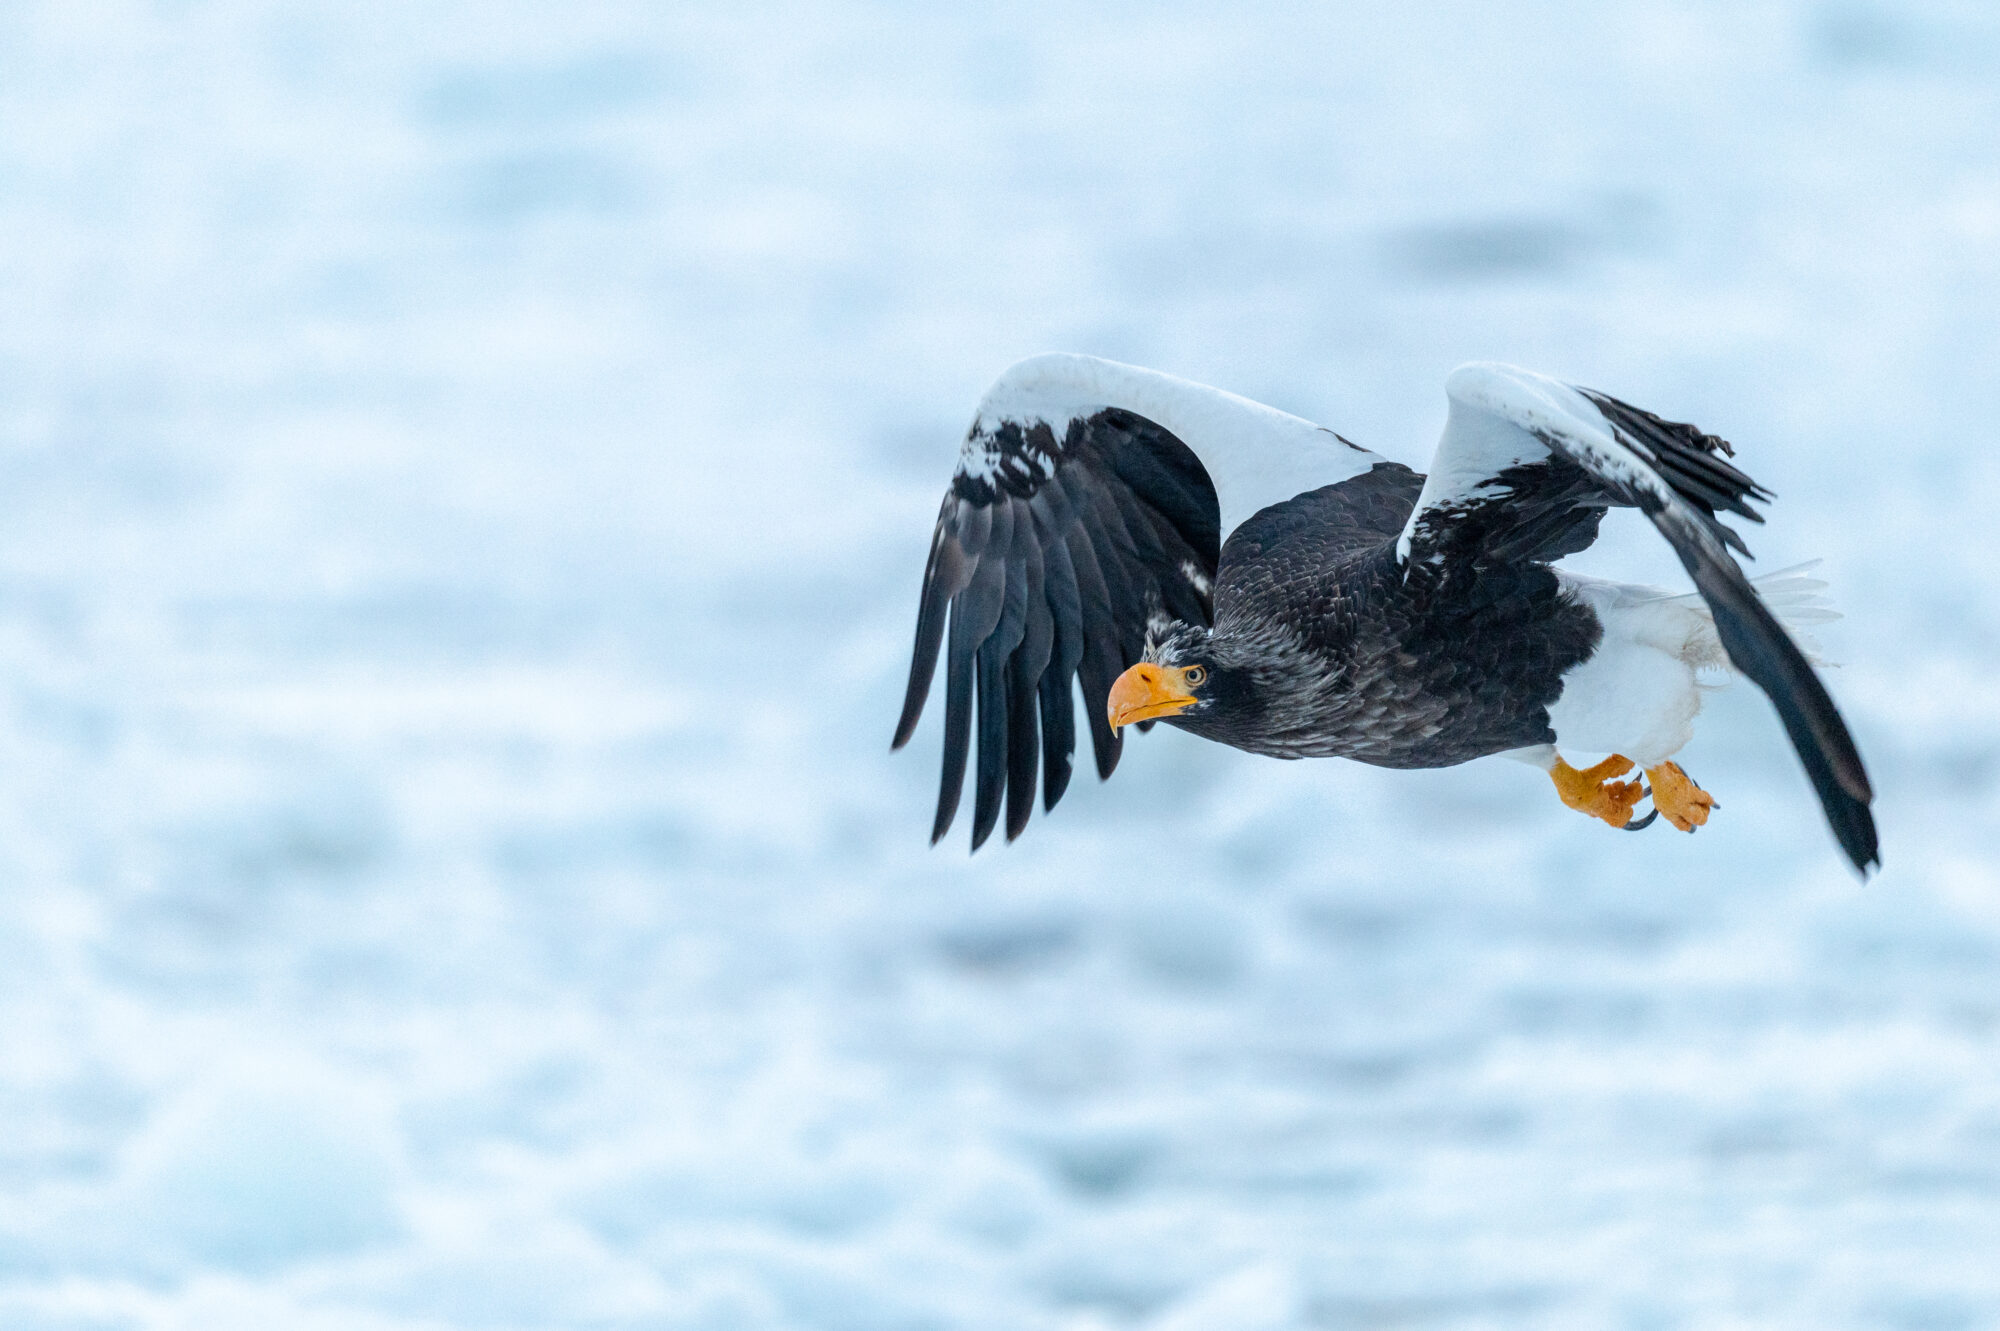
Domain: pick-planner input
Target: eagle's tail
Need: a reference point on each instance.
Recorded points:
(1798, 599)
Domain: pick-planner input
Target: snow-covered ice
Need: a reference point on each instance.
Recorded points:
(464, 476)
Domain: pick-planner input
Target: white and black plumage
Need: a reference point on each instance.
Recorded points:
(1195, 557)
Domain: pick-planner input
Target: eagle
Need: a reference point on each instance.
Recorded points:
(1199, 559)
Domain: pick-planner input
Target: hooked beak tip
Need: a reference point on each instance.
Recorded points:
(1145, 692)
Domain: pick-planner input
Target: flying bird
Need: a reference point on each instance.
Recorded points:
(1197, 558)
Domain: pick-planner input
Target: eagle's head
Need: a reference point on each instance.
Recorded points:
(1180, 679)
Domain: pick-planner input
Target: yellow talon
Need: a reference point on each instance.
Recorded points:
(1590, 790)
(1685, 804)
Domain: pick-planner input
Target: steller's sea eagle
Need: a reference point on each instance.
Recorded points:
(1201, 559)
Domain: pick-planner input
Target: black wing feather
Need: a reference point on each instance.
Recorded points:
(975, 612)
(960, 646)
(993, 688)
(1024, 670)
(1759, 646)
(1542, 509)
(1756, 642)
(1066, 650)
(1043, 570)
(945, 574)
(1103, 658)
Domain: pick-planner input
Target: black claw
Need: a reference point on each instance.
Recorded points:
(1647, 821)
(1712, 805)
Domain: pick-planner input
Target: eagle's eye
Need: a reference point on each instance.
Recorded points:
(1196, 677)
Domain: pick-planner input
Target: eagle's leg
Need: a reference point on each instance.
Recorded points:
(1675, 794)
(1591, 790)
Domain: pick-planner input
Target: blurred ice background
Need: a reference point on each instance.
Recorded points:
(464, 474)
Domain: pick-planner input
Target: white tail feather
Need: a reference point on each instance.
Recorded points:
(1798, 600)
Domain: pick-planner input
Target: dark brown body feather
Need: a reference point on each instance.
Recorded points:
(1452, 663)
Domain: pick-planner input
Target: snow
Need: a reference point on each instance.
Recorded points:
(464, 478)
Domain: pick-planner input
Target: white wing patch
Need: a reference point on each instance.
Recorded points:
(1254, 455)
(1504, 417)
(982, 459)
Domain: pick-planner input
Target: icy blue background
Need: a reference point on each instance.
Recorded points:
(464, 474)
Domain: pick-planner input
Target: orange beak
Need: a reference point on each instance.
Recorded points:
(1146, 691)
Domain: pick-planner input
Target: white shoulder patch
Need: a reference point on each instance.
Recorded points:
(1504, 417)
(1255, 455)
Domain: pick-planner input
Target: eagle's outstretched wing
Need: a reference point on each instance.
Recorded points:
(1524, 471)
(1069, 524)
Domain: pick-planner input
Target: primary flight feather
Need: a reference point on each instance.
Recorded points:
(1196, 558)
